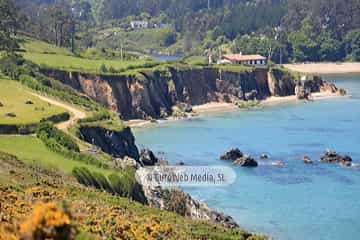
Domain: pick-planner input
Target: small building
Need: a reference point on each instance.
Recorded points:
(242, 59)
(139, 24)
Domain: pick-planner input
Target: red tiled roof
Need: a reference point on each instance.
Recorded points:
(239, 57)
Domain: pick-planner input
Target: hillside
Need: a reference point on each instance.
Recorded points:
(55, 182)
(282, 30)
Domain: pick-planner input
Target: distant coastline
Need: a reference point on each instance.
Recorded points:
(214, 107)
(325, 68)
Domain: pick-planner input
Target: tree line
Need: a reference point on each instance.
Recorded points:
(283, 30)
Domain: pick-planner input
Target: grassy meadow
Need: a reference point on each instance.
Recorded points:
(50, 56)
(34, 152)
(141, 40)
(13, 98)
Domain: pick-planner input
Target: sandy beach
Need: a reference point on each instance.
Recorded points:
(325, 68)
(225, 107)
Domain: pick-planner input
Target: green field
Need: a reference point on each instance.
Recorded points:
(13, 97)
(37, 46)
(34, 152)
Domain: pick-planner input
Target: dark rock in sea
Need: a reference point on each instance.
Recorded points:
(246, 161)
(301, 92)
(181, 163)
(264, 156)
(308, 160)
(333, 157)
(183, 204)
(330, 87)
(346, 164)
(251, 95)
(12, 115)
(233, 154)
(148, 158)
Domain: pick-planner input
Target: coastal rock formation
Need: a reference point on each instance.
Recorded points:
(330, 87)
(233, 154)
(333, 157)
(301, 92)
(264, 156)
(152, 94)
(246, 161)
(183, 204)
(148, 158)
(126, 162)
(116, 143)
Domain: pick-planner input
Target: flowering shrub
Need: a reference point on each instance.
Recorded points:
(48, 221)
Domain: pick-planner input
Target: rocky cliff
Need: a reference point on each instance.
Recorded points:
(153, 93)
(116, 143)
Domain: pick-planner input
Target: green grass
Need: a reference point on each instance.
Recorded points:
(32, 151)
(197, 60)
(13, 97)
(235, 68)
(72, 63)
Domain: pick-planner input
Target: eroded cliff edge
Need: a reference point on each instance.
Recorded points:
(152, 93)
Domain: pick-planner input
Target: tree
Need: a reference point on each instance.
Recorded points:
(304, 46)
(169, 39)
(352, 45)
(8, 25)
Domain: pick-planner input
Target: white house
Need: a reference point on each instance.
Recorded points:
(242, 59)
(139, 24)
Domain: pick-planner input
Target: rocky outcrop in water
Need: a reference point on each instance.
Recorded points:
(308, 160)
(239, 158)
(148, 158)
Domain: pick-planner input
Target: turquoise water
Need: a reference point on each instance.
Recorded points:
(297, 201)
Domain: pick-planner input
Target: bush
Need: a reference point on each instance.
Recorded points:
(91, 179)
(61, 143)
(47, 130)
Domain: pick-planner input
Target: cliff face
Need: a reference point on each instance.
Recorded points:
(152, 94)
(117, 143)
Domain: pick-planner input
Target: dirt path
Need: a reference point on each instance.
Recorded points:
(76, 113)
(326, 68)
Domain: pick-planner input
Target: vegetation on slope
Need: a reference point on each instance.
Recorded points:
(24, 108)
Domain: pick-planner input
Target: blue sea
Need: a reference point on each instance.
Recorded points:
(296, 201)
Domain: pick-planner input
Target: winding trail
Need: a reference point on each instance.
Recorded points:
(76, 113)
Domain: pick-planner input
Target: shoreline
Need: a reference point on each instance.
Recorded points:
(219, 107)
(325, 68)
